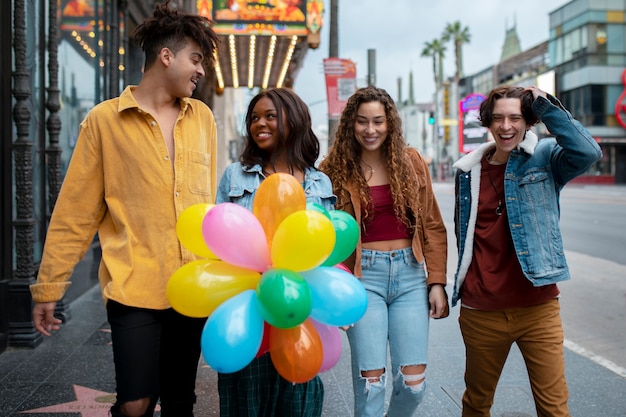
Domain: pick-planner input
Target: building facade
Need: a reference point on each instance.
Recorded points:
(587, 52)
(583, 63)
(59, 58)
(48, 48)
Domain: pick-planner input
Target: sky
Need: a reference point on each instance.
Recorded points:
(398, 29)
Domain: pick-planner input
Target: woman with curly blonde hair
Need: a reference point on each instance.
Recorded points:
(386, 186)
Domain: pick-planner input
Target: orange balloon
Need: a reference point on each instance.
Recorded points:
(278, 196)
(297, 352)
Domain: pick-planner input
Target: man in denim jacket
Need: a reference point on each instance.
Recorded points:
(510, 248)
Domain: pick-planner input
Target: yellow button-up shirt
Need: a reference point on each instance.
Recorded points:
(122, 184)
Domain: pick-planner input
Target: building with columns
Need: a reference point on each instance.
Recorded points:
(59, 58)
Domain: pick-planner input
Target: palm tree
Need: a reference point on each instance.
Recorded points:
(435, 49)
(459, 35)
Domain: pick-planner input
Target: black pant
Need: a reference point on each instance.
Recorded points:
(156, 355)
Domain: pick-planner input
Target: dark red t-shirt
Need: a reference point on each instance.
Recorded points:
(495, 280)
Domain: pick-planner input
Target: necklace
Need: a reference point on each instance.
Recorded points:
(370, 170)
(299, 175)
(365, 165)
(493, 184)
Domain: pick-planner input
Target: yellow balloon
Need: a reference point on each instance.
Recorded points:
(278, 196)
(303, 240)
(189, 230)
(199, 287)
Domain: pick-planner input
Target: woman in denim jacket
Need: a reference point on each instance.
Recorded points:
(279, 139)
(510, 249)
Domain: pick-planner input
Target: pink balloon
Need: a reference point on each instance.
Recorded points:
(331, 344)
(343, 267)
(236, 236)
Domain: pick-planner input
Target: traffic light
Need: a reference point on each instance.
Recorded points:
(431, 118)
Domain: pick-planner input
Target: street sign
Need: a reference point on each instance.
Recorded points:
(448, 122)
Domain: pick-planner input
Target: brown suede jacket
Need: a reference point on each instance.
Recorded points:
(430, 242)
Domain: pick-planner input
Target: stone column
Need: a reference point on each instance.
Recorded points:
(53, 126)
(21, 330)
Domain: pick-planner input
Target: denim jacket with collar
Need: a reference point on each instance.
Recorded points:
(239, 185)
(534, 176)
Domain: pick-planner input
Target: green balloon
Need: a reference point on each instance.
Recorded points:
(347, 237)
(284, 298)
(319, 208)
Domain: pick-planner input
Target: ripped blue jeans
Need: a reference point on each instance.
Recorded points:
(397, 314)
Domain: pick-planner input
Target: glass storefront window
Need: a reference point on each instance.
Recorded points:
(605, 165)
(615, 43)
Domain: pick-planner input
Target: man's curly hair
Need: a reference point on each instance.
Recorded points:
(343, 163)
(170, 28)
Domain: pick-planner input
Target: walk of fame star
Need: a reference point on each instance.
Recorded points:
(89, 403)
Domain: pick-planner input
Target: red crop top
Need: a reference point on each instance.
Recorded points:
(383, 223)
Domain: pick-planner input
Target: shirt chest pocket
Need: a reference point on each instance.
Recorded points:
(242, 195)
(199, 173)
(535, 187)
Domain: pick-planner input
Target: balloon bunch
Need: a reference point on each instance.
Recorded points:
(272, 280)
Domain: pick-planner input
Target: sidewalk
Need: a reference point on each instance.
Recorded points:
(71, 374)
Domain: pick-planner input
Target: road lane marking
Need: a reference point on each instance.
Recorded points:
(611, 366)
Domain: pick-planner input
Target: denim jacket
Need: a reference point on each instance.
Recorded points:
(239, 185)
(534, 176)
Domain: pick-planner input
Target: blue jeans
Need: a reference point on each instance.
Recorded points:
(397, 312)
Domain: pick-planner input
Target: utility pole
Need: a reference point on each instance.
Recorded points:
(371, 67)
(333, 52)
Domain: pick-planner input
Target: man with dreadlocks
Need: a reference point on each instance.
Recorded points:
(139, 161)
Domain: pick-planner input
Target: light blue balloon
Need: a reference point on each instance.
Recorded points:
(338, 298)
(233, 334)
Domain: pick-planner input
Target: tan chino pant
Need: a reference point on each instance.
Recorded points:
(488, 336)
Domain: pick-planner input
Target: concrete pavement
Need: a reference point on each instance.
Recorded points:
(71, 373)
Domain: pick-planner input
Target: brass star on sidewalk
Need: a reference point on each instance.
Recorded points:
(89, 403)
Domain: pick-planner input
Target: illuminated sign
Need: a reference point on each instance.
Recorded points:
(262, 17)
(620, 106)
(268, 10)
(471, 133)
(77, 25)
(314, 11)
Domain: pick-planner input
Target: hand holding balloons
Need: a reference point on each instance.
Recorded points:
(269, 278)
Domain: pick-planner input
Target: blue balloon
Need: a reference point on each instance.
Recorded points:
(232, 335)
(338, 298)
